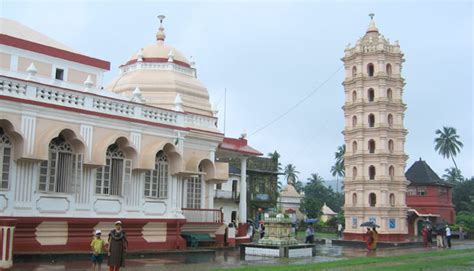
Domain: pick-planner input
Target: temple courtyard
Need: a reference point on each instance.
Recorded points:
(459, 257)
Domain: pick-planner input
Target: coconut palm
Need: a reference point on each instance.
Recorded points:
(291, 174)
(337, 171)
(315, 178)
(339, 155)
(275, 156)
(447, 143)
(453, 175)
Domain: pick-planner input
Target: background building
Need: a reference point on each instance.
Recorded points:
(428, 197)
(374, 183)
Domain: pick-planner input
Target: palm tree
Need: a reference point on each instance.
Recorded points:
(337, 171)
(316, 178)
(339, 155)
(453, 175)
(291, 174)
(275, 156)
(447, 143)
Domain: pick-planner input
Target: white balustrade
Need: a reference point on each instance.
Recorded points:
(95, 102)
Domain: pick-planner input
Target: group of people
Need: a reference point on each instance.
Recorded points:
(371, 238)
(443, 236)
(116, 247)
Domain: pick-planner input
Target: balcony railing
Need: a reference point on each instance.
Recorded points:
(223, 194)
(98, 101)
(203, 215)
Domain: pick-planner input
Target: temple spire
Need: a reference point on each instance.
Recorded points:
(161, 31)
(372, 27)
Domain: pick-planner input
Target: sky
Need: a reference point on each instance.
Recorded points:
(271, 54)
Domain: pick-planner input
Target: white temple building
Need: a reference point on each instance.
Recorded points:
(77, 154)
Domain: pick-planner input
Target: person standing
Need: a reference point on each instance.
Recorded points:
(448, 236)
(439, 237)
(309, 235)
(339, 230)
(430, 234)
(375, 236)
(424, 233)
(369, 239)
(118, 246)
(97, 246)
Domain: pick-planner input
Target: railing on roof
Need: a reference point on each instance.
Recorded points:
(38, 92)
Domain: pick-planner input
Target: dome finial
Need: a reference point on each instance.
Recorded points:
(161, 33)
(372, 27)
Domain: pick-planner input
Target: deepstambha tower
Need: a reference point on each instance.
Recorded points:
(375, 184)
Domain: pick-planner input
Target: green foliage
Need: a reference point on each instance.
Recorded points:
(448, 143)
(291, 174)
(467, 219)
(299, 186)
(463, 196)
(316, 194)
(453, 175)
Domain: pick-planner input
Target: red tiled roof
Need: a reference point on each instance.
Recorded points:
(238, 145)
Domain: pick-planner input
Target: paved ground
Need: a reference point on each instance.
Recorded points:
(227, 258)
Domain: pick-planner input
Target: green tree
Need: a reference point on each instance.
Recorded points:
(337, 171)
(463, 196)
(339, 155)
(448, 143)
(316, 194)
(291, 174)
(275, 156)
(453, 175)
(299, 186)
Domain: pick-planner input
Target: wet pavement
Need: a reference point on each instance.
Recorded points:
(208, 260)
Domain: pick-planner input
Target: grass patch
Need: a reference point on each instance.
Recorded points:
(434, 260)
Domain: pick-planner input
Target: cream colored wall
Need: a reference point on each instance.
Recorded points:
(78, 77)
(5, 60)
(44, 69)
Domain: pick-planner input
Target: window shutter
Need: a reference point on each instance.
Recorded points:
(148, 183)
(76, 180)
(52, 170)
(127, 176)
(99, 180)
(43, 179)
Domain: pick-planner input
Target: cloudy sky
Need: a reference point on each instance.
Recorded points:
(269, 55)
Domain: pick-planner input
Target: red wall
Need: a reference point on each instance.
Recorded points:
(434, 203)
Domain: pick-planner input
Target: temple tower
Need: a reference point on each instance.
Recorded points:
(375, 185)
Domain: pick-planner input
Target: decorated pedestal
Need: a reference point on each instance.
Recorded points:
(278, 241)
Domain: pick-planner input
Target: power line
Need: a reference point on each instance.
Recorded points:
(298, 103)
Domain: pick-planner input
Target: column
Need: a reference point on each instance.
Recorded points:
(243, 191)
(7, 229)
(210, 194)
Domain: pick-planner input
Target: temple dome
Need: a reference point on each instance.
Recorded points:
(159, 50)
(163, 75)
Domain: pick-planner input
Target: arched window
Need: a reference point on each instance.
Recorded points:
(391, 172)
(372, 199)
(389, 94)
(370, 69)
(371, 95)
(117, 171)
(354, 199)
(390, 146)
(371, 120)
(354, 71)
(392, 199)
(354, 96)
(390, 120)
(371, 173)
(354, 121)
(354, 147)
(5, 158)
(194, 190)
(62, 172)
(388, 69)
(156, 181)
(354, 173)
(371, 146)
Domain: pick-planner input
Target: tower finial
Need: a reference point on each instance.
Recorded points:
(372, 27)
(161, 33)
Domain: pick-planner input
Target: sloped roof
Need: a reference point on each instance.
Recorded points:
(421, 173)
(290, 191)
(327, 211)
(238, 145)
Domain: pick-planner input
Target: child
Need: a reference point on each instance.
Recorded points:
(97, 246)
